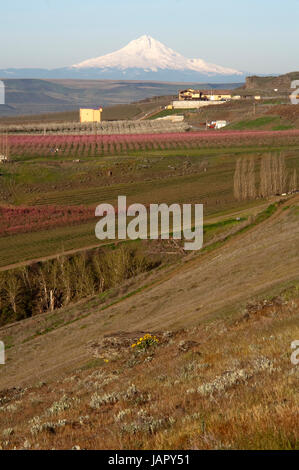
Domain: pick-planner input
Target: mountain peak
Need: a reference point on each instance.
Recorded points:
(146, 39)
(148, 54)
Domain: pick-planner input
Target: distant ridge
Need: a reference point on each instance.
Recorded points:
(280, 82)
(33, 96)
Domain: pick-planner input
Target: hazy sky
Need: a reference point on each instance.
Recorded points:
(258, 36)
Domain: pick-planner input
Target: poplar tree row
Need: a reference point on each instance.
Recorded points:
(54, 284)
(274, 178)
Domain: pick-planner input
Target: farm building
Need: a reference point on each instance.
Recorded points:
(189, 94)
(213, 95)
(218, 96)
(296, 97)
(91, 115)
(204, 95)
(195, 104)
(246, 96)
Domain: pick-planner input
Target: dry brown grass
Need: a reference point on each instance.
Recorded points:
(200, 288)
(223, 379)
(226, 385)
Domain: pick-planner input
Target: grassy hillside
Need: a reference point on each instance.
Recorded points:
(270, 116)
(172, 396)
(229, 348)
(248, 114)
(274, 123)
(282, 82)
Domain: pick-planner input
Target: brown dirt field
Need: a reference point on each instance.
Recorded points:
(289, 111)
(205, 287)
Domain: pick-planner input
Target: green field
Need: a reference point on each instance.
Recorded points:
(170, 112)
(202, 175)
(274, 123)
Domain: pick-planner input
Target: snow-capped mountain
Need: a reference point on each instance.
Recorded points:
(150, 55)
(142, 59)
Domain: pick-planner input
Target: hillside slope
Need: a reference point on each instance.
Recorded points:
(221, 379)
(281, 82)
(212, 285)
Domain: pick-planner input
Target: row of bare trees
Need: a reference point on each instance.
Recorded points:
(244, 179)
(274, 178)
(4, 146)
(53, 284)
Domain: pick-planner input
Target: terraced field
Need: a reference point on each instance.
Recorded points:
(203, 174)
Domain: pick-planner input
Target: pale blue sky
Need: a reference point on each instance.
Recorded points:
(259, 36)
